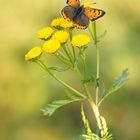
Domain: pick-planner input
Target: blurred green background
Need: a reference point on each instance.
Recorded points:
(25, 88)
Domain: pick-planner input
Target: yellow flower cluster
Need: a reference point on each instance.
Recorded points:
(53, 40)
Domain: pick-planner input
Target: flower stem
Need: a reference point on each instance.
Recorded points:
(97, 60)
(62, 59)
(41, 63)
(68, 55)
(73, 48)
(97, 73)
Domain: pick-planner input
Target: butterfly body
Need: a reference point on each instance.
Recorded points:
(79, 15)
(78, 12)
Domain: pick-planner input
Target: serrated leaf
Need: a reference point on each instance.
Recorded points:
(51, 108)
(93, 136)
(85, 121)
(121, 80)
(58, 69)
(117, 84)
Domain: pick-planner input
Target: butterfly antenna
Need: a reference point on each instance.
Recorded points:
(89, 3)
(92, 3)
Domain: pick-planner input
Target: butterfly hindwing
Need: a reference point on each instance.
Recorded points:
(73, 3)
(93, 14)
(81, 22)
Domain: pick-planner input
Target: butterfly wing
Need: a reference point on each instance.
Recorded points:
(73, 3)
(81, 22)
(93, 14)
(68, 13)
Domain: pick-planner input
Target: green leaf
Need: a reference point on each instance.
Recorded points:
(121, 80)
(85, 121)
(100, 37)
(58, 69)
(117, 84)
(51, 108)
(93, 136)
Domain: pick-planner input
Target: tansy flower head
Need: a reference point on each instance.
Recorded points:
(51, 46)
(80, 40)
(56, 22)
(45, 33)
(67, 24)
(62, 36)
(61, 22)
(33, 53)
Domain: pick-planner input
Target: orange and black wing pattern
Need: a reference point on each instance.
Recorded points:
(80, 22)
(73, 3)
(93, 14)
(79, 15)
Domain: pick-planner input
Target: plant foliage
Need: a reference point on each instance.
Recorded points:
(117, 84)
(52, 107)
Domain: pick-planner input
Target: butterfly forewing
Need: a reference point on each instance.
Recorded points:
(73, 3)
(68, 13)
(93, 14)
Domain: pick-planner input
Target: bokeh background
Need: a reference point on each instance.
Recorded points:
(25, 88)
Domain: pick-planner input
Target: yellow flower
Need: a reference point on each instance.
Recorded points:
(33, 53)
(61, 22)
(51, 46)
(80, 40)
(45, 33)
(62, 36)
(56, 22)
(67, 24)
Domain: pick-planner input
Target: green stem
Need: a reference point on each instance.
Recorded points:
(97, 72)
(85, 71)
(41, 63)
(68, 55)
(97, 60)
(90, 99)
(73, 48)
(84, 62)
(61, 58)
(94, 32)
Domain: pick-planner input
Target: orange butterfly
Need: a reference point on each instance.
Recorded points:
(79, 15)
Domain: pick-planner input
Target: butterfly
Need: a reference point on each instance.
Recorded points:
(80, 15)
